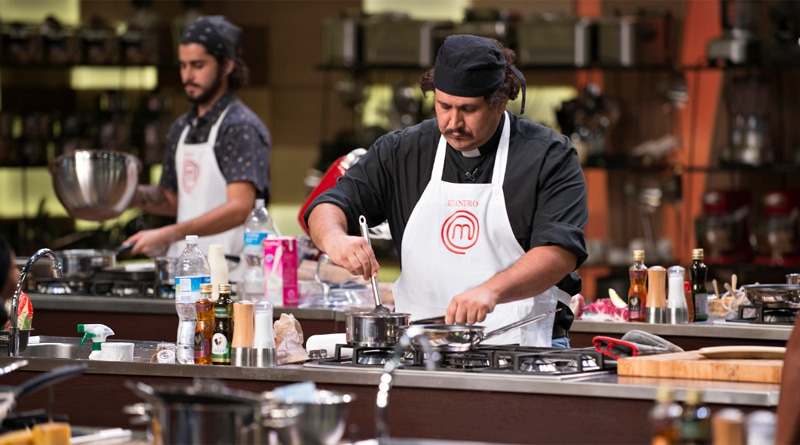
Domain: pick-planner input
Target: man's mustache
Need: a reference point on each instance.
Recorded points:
(459, 131)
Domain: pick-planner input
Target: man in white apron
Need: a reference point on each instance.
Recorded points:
(217, 157)
(486, 209)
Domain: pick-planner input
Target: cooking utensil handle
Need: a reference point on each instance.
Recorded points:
(516, 324)
(362, 222)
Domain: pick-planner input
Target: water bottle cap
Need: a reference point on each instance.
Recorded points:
(259, 203)
(191, 239)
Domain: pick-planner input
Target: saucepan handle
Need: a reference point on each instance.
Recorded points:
(517, 324)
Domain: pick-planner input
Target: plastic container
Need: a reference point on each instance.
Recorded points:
(257, 227)
(191, 271)
(97, 334)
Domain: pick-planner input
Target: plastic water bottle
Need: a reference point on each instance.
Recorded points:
(191, 271)
(258, 226)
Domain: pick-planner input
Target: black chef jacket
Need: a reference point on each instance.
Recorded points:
(544, 187)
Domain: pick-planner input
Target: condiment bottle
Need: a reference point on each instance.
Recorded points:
(656, 295)
(698, 272)
(242, 343)
(727, 427)
(223, 327)
(687, 293)
(204, 332)
(696, 419)
(677, 313)
(665, 418)
(264, 336)
(637, 292)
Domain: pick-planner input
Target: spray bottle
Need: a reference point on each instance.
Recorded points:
(97, 333)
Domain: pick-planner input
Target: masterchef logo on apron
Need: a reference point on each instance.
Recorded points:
(460, 232)
(191, 171)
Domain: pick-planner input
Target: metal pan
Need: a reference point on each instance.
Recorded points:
(773, 295)
(372, 330)
(462, 338)
(83, 263)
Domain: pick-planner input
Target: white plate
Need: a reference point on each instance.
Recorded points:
(743, 352)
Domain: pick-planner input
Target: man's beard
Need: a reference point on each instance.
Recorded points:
(206, 95)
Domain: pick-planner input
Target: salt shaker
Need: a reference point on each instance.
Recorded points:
(264, 337)
(677, 310)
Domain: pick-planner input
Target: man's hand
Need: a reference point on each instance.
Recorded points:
(152, 243)
(354, 254)
(471, 307)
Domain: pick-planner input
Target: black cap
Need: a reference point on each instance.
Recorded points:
(469, 66)
(219, 36)
(472, 66)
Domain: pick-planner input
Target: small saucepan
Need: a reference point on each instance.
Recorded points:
(773, 295)
(463, 337)
(374, 330)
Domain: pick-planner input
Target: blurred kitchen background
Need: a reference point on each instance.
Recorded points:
(682, 111)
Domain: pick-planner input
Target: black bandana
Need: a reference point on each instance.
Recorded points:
(219, 36)
(472, 66)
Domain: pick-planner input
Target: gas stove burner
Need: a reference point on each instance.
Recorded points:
(466, 360)
(558, 364)
(60, 287)
(763, 315)
(373, 356)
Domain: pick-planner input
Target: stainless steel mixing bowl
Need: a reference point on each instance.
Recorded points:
(95, 184)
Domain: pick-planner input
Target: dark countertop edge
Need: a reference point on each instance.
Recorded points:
(604, 385)
(712, 328)
(85, 303)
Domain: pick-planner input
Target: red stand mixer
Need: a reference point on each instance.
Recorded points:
(723, 230)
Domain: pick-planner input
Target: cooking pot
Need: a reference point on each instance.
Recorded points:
(205, 412)
(773, 295)
(463, 337)
(83, 263)
(374, 330)
(319, 420)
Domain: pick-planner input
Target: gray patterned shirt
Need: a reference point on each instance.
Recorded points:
(242, 148)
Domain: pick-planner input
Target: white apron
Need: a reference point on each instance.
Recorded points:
(459, 236)
(202, 188)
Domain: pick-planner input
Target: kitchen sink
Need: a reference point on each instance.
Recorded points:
(67, 348)
(56, 350)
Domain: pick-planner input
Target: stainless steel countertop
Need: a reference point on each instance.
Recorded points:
(604, 385)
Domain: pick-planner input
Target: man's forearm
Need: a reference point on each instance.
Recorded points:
(326, 220)
(155, 200)
(538, 270)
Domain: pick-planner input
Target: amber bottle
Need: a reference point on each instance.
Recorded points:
(205, 326)
(637, 292)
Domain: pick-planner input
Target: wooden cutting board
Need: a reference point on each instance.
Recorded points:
(693, 365)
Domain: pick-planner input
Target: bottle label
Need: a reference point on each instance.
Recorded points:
(187, 289)
(701, 305)
(220, 352)
(202, 346)
(634, 307)
(254, 238)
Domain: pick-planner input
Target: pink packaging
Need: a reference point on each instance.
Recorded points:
(280, 270)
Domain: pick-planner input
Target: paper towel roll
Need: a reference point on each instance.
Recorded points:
(328, 342)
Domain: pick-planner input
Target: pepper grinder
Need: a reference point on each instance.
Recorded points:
(656, 295)
(242, 341)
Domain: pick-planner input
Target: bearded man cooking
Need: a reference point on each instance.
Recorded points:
(218, 153)
(486, 209)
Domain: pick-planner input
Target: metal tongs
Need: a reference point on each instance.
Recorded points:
(380, 309)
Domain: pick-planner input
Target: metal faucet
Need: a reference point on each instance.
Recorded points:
(13, 331)
(413, 332)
